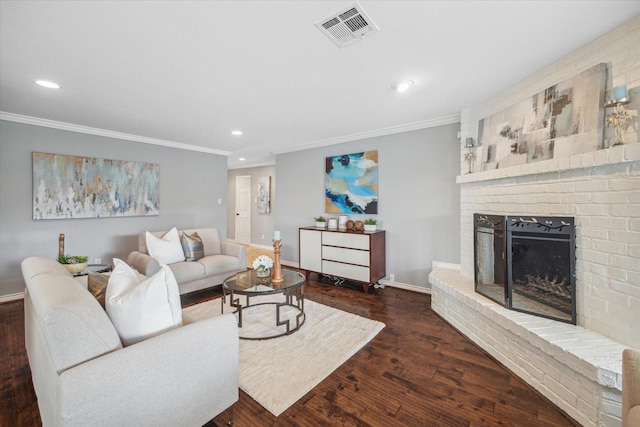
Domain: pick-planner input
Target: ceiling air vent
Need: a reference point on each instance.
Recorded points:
(348, 25)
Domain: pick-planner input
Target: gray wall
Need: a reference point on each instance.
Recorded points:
(190, 185)
(261, 224)
(419, 200)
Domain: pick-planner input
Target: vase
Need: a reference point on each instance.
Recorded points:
(370, 227)
(263, 272)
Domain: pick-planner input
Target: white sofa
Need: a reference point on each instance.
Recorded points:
(83, 376)
(221, 260)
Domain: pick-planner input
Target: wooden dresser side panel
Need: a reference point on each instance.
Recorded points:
(378, 263)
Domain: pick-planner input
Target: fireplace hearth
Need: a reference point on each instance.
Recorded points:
(527, 263)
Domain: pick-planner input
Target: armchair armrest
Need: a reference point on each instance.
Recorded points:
(183, 377)
(630, 387)
(235, 249)
(144, 263)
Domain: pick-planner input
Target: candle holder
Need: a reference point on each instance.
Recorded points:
(618, 117)
(277, 276)
(470, 155)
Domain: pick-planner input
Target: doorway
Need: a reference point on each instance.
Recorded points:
(243, 209)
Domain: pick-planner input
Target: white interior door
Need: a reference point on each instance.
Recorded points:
(243, 209)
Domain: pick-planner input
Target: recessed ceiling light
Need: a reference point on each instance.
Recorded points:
(242, 159)
(48, 84)
(236, 132)
(402, 85)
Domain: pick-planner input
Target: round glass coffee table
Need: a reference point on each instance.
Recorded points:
(264, 309)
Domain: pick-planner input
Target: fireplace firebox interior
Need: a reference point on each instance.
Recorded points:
(527, 263)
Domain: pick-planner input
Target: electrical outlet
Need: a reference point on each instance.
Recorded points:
(98, 261)
(392, 277)
(263, 237)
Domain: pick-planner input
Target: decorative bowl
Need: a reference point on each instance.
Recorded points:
(76, 268)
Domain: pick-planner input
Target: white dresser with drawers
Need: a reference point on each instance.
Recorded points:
(358, 256)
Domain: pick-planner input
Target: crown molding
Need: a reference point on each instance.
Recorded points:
(455, 118)
(29, 120)
(36, 121)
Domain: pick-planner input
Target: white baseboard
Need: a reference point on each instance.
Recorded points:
(440, 264)
(11, 297)
(399, 285)
(265, 247)
(406, 286)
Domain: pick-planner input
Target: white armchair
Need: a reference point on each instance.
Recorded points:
(630, 388)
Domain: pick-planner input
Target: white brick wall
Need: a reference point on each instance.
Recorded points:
(577, 369)
(600, 189)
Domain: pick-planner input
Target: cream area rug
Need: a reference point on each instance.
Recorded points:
(279, 371)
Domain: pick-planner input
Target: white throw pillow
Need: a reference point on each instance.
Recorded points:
(167, 249)
(139, 307)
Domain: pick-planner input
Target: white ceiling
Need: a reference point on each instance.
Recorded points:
(187, 73)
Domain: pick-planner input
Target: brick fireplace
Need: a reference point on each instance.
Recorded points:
(578, 367)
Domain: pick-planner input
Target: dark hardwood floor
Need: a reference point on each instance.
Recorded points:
(418, 371)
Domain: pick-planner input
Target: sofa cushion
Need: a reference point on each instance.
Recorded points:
(188, 271)
(192, 246)
(139, 307)
(74, 324)
(219, 264)
(167, 249)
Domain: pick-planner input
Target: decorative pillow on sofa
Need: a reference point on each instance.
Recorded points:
(192, 246)
(141, 307)
(167, 249)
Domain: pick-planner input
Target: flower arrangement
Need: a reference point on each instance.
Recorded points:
(262, 262)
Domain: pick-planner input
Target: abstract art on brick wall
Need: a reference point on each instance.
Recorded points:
(351, 183)
(66, 187)
(564, 119)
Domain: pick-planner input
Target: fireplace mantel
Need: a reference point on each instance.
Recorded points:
(608, 156)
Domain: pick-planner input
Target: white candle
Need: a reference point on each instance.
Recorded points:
(620, 92)
(276, 235)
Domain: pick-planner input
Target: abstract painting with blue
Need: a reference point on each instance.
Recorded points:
(351, 183)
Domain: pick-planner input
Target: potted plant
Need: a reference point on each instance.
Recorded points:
(321, 222)
(74, 263)
(370, 224)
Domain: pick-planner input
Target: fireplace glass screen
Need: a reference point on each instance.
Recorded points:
(527, 263)
(490, 262)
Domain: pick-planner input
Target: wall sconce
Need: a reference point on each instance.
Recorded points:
(619, 116)
(470, 155)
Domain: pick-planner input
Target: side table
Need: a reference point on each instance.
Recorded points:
(97, 285)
